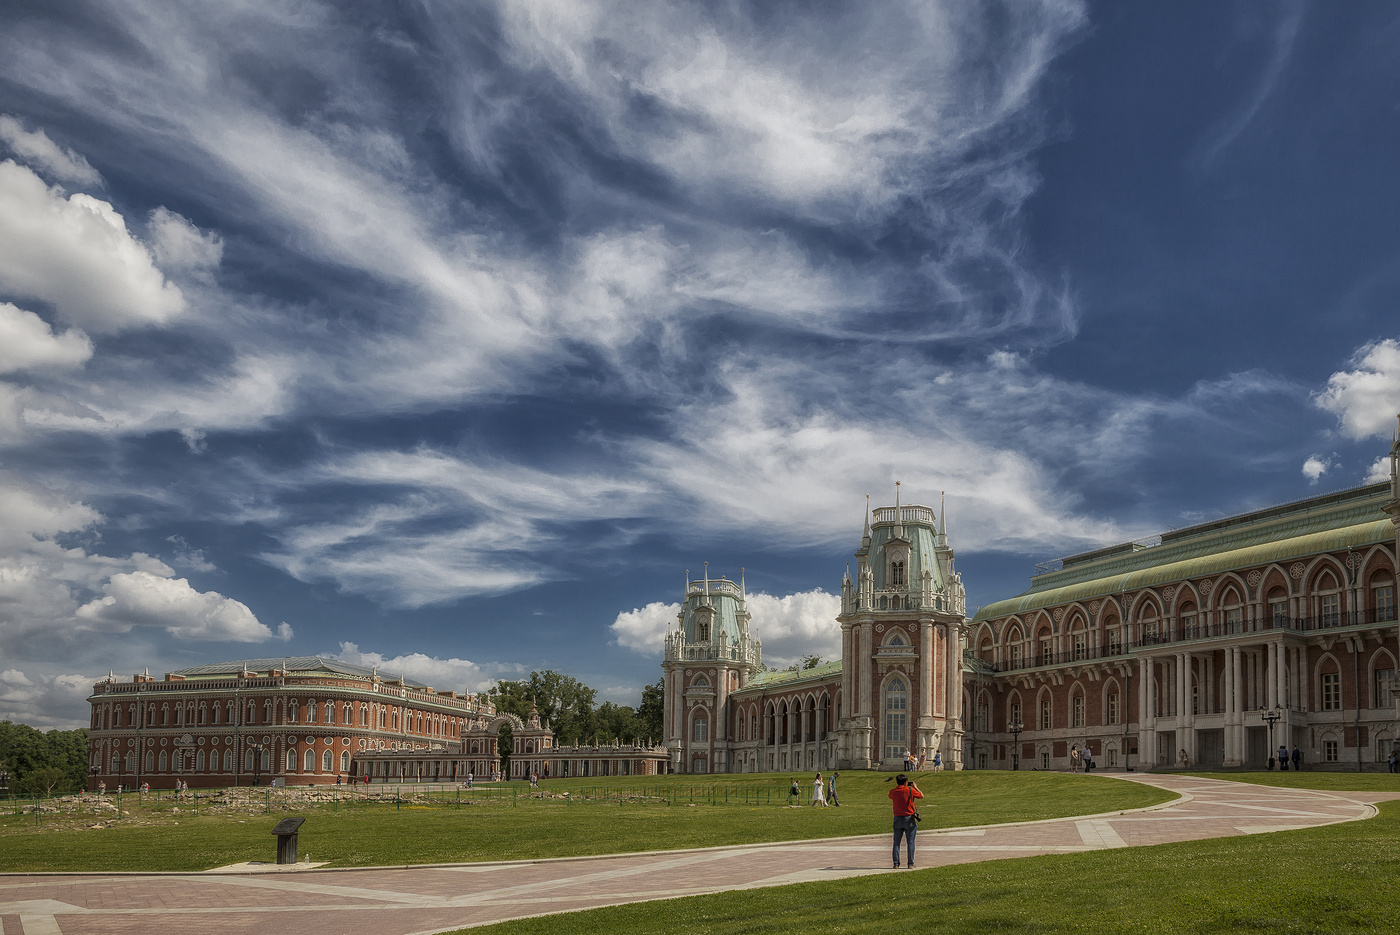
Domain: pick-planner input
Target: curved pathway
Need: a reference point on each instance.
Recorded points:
(408, 901)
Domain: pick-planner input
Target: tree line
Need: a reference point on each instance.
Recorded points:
(569, 707)
(43, 763)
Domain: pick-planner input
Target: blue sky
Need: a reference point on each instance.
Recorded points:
(448, 336)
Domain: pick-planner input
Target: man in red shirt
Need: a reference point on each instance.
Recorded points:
(903, 795)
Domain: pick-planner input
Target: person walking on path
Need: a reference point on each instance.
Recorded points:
(819, 791)
(902, 796)
(836, 803)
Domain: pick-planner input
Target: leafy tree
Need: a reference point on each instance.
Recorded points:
(651, 714)
(616, 722)
(808, 661)
(563, 701)
(25, 750)
(45, 781)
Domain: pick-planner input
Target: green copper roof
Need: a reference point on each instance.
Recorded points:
(787, 678)
(1349, 519)
(293, 665)
(921, 552)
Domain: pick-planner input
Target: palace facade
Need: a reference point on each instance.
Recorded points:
(1206, 646)
(315, 721)
(897, 688)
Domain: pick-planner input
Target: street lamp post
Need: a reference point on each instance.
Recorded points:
(1270, 717)
(92, 786)
(1016, 728)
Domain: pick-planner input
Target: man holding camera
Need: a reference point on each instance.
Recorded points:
(906, 821)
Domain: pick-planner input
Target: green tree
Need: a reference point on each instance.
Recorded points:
(616, 722)
(45, 781)
(563, 701)
(25, 750)
(808, 661)
(651, 713)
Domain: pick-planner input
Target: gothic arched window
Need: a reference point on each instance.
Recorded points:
(896, 717)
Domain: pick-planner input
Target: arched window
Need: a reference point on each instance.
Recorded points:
(199, 762)
(700, 728)
(308, 761)
(326, 761)
(330, 712)
(898, 579)
(345, 761)
(291, 761)
(896, 718)
(150, 761)
(162, 761)
(311, 712)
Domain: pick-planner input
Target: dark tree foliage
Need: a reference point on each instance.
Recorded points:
(563, 701)
(44, 763)
(651, 714)
(568, 705)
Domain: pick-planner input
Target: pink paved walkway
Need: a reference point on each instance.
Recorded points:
(441, 898)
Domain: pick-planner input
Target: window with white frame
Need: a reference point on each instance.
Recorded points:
(1015, 714)
(1233, 620)
(1081, 646)
(1331, 691)
(898, 578)
(1331, 610)
(309, 761)
(896, 739)
(1278, 610)
(700, 728)
(1077, 710)
(291, 761)
(1383, 600)
(326, 763)
(1045, 721)
(1330, 751)
(1385, 680)
(311, 712)
(1044, 759)
(1112, 707)
(1046, 650)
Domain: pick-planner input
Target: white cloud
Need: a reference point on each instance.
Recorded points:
(450, 674)
(643, 629)
(1314, 467)
(789, 627)
(142, 599)
(77, 254)
(179, 245)
(45, 698)
(1380, 471)
(28, 343)
(1366, 399)
(285, 632)
(37, 149)
(468, 527)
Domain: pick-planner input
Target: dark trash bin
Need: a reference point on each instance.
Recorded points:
(286, 832)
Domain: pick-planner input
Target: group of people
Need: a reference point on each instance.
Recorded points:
(913, 761)
(823, 793)
(1296, 757)
(1080, 760)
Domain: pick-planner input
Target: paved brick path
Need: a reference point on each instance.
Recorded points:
(434, 899)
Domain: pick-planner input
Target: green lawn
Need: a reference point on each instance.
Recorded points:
(1329, 782)
(359, 835)
(1335, 880)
